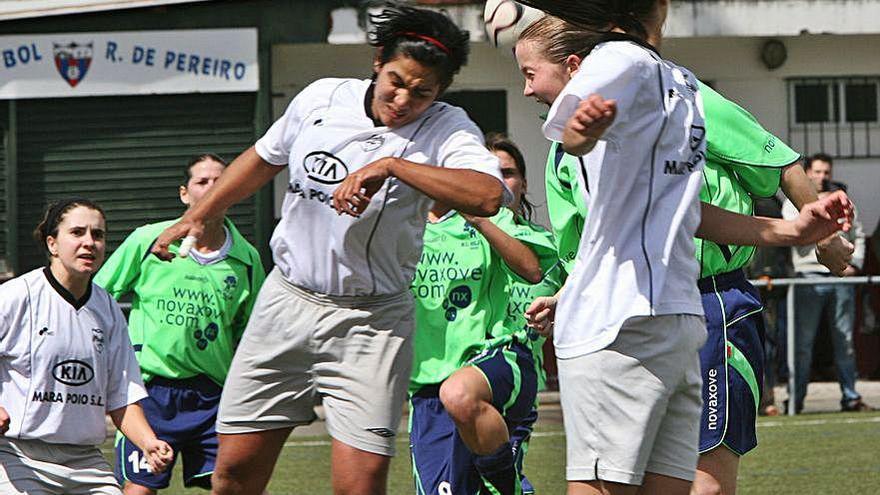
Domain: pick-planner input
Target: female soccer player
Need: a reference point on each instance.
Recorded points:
(65, 362)
(513, 168)
(742, 160)
(187, 317)
(474, 378)
(333, 322)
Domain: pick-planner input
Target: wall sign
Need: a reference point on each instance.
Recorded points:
(128, 63)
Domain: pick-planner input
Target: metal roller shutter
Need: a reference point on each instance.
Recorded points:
(127, 153)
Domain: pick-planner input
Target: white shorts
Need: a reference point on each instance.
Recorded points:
(300, 348)
(34, 467)
(634, 407)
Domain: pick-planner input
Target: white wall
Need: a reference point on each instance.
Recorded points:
(733, 64)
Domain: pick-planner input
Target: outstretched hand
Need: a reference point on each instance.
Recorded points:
(820, 219)
(541, 314)
(353, 195)
(179, 230)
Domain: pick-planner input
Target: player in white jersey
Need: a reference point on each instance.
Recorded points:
(333, 322)
(549, 53)
(629, 324)
(65, 362)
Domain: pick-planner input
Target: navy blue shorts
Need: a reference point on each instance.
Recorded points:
(182, 413)
(442, 463)
(732, 362)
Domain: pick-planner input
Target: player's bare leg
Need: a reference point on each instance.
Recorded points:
(716, 473)
(653, 484)
(468, 400)
(135, 489)
(245, 461)
(600, 487)
(357, 472)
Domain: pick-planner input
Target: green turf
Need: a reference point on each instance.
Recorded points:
(815, 453)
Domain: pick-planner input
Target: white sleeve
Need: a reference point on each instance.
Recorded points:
(11, 295)
(274, 147)
(612, 71)
(464, 148)
(124, 383)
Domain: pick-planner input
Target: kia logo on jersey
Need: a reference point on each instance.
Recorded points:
(324, 168)
(73, 372)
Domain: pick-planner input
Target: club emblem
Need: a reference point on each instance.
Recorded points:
(98, 339)
(72, 61)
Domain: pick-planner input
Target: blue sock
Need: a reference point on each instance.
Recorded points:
(499, 470)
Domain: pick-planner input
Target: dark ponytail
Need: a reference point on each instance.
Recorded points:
(600, 16)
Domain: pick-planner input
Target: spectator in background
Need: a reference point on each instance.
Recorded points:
(839, 299)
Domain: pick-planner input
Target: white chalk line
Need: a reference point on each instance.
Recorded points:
(560, 433)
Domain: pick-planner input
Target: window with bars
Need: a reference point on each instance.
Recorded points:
(835, 115)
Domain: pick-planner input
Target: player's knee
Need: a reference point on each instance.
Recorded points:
(135, 489)
(706, 485)
(226, 481)
(459, 400)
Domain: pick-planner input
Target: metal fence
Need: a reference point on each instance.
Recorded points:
(790, 316)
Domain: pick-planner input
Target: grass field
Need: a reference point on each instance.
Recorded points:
(809, 454)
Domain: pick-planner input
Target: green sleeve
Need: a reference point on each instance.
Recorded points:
(565, 204)
(120, 273)
(520, 229)
(737, 141)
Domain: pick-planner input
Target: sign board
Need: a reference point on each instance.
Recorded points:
(128, 63)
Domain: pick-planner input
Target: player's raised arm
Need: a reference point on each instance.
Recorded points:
(244, 176)
(817, 220)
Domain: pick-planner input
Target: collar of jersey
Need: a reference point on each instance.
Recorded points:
(368, 104)
(239, 249)
(613, 36)
(66, 294)
(446, 216)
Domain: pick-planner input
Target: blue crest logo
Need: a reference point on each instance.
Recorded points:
(73, 61)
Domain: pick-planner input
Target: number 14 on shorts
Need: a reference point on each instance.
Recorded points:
(138, 462)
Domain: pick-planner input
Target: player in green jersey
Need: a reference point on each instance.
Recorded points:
(474, 379)
(743, 160)
(513, 169)
(186, 320)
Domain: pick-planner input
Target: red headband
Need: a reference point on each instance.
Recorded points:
(429, 39)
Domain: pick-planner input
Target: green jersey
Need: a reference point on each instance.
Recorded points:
(461, 287)
(186, 319)
(522, 294)
(743, 161)
(566, 205)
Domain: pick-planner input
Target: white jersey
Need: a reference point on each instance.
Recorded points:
(642, 183)
(324, 135)
(63, 364)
